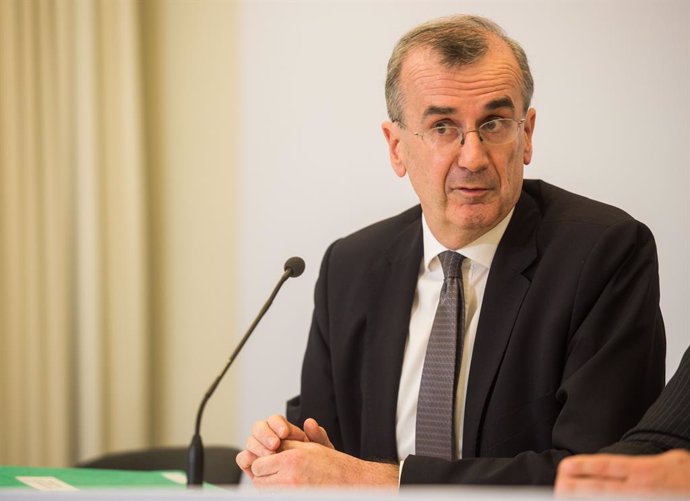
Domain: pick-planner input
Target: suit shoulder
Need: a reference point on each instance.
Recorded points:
(559, 206)
(377, 236)
(568, 221)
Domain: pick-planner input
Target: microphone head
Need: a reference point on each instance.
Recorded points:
(295, 265)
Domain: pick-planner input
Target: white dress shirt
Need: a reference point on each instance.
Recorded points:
(475, 271)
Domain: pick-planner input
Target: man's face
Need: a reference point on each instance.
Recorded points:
(464, 190)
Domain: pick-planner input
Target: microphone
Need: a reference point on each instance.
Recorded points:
(294, 267)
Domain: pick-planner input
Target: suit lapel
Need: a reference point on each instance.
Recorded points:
(393, 284)
(505, 289)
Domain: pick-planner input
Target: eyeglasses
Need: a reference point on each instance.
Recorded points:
(496, 131)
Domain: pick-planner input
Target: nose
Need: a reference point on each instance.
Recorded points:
(472, 154)
(464, 136)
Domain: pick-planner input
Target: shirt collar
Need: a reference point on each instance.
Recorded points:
(481, 250)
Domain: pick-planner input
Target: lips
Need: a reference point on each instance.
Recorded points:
(471, 190)
(470, 194)
(470, 185)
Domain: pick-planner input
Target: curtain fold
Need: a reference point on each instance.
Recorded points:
(74, 321)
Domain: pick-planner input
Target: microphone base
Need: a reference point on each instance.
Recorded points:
(195, 463)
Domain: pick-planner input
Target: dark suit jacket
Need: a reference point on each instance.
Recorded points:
(569, 351)
(666, 425)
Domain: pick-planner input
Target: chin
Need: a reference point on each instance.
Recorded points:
(475, 220)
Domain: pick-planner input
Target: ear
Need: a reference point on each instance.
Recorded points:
(528, 127)
(391, 132)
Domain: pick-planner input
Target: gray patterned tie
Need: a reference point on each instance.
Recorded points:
(435, 435)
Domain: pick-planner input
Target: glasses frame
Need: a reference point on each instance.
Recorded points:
(463, 134)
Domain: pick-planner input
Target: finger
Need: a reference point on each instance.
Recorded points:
(244, 460)
(568, 466)
(564, 485)
(596, 465)
(257, 448)
(574, 465)
(584, 485)
(605, 466)
(266, 466)
(282, 469)
(617, 468)
(316, 433)
(284, 429)
(264, 434)
(279, 425)
(288, 445)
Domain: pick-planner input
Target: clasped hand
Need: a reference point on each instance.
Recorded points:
(279, 453)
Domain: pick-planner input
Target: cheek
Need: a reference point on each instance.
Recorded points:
(509, 168)
(425, 168)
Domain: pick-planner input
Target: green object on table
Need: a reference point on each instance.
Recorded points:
(88, 478)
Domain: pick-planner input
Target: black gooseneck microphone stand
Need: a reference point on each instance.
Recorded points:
(294, 267)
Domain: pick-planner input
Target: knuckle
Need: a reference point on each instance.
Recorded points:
(258, 427)
(678, 455)
(276, 419)
(254, 447)
(278, 424)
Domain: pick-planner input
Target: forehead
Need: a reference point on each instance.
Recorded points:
(427, 83)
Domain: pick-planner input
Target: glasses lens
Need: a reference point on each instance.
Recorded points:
(499, 131)
(443, 135)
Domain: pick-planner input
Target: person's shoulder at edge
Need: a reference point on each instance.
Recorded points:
(377, 237)
(557, 206)
(568, 221)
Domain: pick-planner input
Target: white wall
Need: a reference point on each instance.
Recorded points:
(612, 99)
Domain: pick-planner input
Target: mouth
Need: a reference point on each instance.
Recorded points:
(471, 191)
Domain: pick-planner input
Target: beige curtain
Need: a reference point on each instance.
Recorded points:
(74, 336)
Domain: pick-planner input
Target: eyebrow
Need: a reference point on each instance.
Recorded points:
(501, 102)
(439, 110)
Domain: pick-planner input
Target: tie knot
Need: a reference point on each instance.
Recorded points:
(450, 262)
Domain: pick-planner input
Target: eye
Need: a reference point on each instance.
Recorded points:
(444, 129)
(493, 125)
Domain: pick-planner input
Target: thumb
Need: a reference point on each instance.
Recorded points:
(316, 433)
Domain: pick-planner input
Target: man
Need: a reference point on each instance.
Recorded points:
(547, 302)
(659, 445)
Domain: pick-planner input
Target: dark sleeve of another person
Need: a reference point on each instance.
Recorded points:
(666, 425)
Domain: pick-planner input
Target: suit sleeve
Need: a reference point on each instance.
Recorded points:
(613, 366)
(666, 425)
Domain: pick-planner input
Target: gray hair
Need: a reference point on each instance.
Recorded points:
(459, 40)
